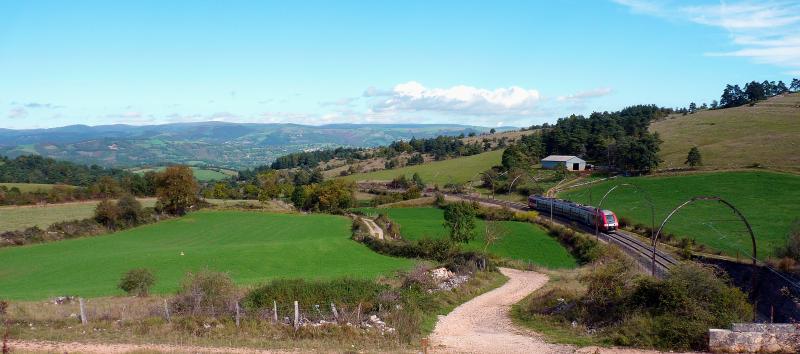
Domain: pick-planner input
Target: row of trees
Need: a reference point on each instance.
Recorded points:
(618, 139)
(734, 95)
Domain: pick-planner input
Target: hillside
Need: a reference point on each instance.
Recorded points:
(458, 170)
(230, 145)
(767, 133)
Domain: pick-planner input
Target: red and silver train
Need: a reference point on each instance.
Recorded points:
(584, 214)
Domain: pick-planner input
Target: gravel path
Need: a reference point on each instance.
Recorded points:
(374, 229)
(483, 325)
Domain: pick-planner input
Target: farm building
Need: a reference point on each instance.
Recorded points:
(573, 163)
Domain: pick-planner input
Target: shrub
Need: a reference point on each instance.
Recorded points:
(137, 282)
(439, 249)
(206, 293)
(106, 213)
(350, 292)
(129, 210)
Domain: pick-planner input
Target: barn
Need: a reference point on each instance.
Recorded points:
(573, 163)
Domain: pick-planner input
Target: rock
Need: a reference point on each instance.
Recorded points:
(441, 274)
(750, 338)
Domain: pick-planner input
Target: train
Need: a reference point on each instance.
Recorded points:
(588, 215)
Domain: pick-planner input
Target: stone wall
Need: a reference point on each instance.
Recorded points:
(755, 338)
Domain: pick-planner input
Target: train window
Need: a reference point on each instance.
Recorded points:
(610, 218)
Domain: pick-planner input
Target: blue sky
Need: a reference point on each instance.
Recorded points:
(313, 62)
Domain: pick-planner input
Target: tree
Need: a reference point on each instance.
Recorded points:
(459, 218)
(220, 191)
(692, 107)
(418, 181)
(795, 86)
(714, 104)
(492, 131)
(137, 282)
(107, 213)
(693, 158)
(176, 189)
(129, 210)
(754, 92)
(781, 88)
(106, 187)
(494, 231)
(732, 96)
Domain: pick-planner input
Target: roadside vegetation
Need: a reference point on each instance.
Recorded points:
(609, 303)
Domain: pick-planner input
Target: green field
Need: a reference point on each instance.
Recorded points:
(768, 200)
(201, 174)
(21, 217)
(29, 187)
(766, 133)
(525, 241)
(458, 170)
(251, 246)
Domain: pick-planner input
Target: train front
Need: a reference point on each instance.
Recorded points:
(610, 221)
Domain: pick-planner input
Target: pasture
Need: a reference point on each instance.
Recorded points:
(458, 170)
(524, 241)
(766, 133)
(251, 246)
(25, 216)
(202, 174)
(768, 200)
(29, 187)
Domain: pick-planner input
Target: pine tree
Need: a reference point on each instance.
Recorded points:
(693, 158)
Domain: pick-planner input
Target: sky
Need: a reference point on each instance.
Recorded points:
(489, 63)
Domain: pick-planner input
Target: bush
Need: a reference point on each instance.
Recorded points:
(106, 213)
(350, 292)
(129, 210)
(439, 249)
(206, 293)
(137, 282)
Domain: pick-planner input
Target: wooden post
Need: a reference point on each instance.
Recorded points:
(358, 313)
(275, 310)
(335, 313)
(425, 343)
(237, 315)
(83, 311)
(296, 316)
(166, 311)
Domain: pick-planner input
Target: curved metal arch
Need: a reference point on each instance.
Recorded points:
(707, 198)
(646, 198)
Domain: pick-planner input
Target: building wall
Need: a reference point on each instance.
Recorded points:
(551, 165)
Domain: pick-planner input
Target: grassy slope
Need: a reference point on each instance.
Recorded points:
(767, 133)
(29, 187)
(454, 170)
(524, 241)
(768, 200)
(201, 174)
(20, 217)
(251, 246)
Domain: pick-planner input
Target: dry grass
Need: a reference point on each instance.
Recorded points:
(21, 217)
(767, 133)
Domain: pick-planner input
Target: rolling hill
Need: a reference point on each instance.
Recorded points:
(230, 145)
(767, 134)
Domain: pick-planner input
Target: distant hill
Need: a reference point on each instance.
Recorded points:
(767, 134)
(232, 145)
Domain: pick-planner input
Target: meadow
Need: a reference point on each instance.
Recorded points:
(29, 187)
(251, 246)
(200, 173)
(766, 134)
(768, 200)
(458, 170)
(524, 241)
(25, 216)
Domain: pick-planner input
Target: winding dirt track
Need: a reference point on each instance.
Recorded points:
(483, 325)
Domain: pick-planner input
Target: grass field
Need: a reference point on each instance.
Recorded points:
(251, 246)
(525, 241)
(29, 187)
(767, 133)
(456, 170)
(21, 217)
(768, 200)
(201, 174)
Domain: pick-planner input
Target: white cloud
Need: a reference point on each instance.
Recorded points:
(767, 32)
(414, 97)
(42, 105)
(583, 95)
(17, 112)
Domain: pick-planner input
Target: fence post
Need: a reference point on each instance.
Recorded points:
(83, 311)
(275, 310)
(237, 315)
(166, 311)
(358, 313)
(296, 316)
(335, 313)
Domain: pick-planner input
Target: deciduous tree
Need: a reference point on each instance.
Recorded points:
(176, 189)
(459, 218)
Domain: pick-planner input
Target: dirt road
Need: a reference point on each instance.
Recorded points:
(483, 325)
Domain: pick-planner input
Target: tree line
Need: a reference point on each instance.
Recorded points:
(753, 91)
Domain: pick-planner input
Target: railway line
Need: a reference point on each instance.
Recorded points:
(637, 249)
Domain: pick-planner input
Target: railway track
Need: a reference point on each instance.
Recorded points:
(631, 245)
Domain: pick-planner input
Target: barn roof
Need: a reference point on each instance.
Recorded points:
(560, 158)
